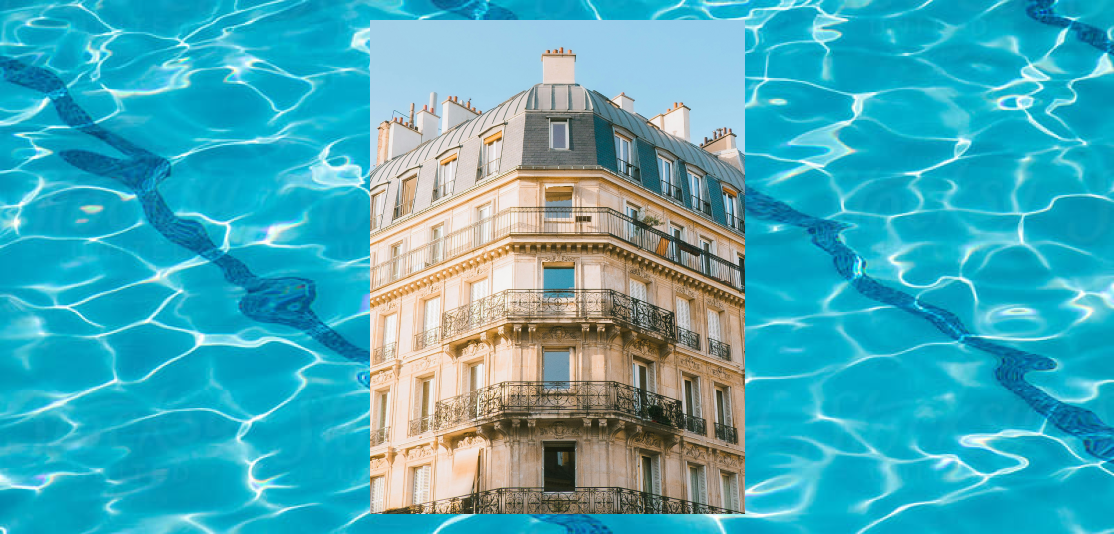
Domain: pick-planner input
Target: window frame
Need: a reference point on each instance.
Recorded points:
(559, 446)
(567, 138)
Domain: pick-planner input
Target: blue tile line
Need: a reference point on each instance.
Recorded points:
(575, 523)
(284, 300)
(1098, 437)
(1041, 11)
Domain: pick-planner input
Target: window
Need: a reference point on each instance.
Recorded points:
(623, 156)
(706, 258)
(378, 495)
(483, 224)
(696, 486)
(396, 260)
(696, 189)
(558, 281)
(560, 467)
(669, 185)
(691, 402)
(730, 206)
(420, 483)
(489, 158)
(639, 313)
(558, 204)
(678, 237)
(436, 245)
(382, 409)
(478, 291)
(714, 331)
(650, 473)
(730, 488)
(475, 377)
(556, 365)
(559, 134)
(390, 331)
(446, 178)
(377, 210)
(723, 407)
(406, 197)
(684, 318)
(633, 231)
(432, 315)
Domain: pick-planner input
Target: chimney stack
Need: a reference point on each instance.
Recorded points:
(722, 145)
(453, 113)
(559, 66)
(624, 102)
(428, 120)
(675, 121)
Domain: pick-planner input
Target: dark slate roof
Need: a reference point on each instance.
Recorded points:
(557, 97)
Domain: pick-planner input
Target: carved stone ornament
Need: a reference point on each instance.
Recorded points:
(716, 303)
(642, 346)
(389, 305)
(695, 452)
(560, 334)
(690, 362)
(421, 451)
(720, 374)
(379, 462)
(474, 347)
(730, 460)
(427, 362)
(638, 271)
(558, 430)
(558, 259)
(431, 289)
(683, 290)
(382, 376)
(647, 439)
(469, 440)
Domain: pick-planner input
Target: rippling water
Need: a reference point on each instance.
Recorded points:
(963, 144)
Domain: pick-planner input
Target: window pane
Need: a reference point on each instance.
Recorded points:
(558, 278)
(556, 365)
(647, 475)
(559, 131)
(560, 468)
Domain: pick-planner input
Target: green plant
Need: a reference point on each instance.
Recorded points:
(648, 220)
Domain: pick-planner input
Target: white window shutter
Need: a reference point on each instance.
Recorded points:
(421, 485)
(713, 325)
(652, 378)
(683, 318)
(655, 464)
(734, 481)
(696, 397)
(702, 489)
(729, 421)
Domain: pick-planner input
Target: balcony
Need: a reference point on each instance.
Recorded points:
(701, 205)
(736, 223)
(719, 349)
(627, 170)
(673, 192)
(535, 304)
(488, 169)
(385, 353)
(442, 190)
(379, 436)
(578, 222)
(688, 338)
(727, 433)
(428, 338)
(578, 501)
(696, 425)
(404, 208)
(567, 399)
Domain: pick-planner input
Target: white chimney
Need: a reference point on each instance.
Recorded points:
(558, 66)
(427, 121)
(722, 145)
(624, 102)
(402, 138)
(675, 122)
(454, 112)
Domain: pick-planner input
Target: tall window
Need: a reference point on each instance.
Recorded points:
(560, 467)
(723, 407)
(432, 319)
(436, 246)
(650, 473)
(396, 260)
(475, 376)
(446, 178)
(378, 494)
(668, 182)
(558, 204)
(714, 331)
(706, 258)
(639, 313)
(696, 487)
(478, 291)
(730, 490)
(423, 406)
(390, 330)
(558, 281)
(492, 151)
(556, 368)
(678, 237)
(382, 409)
(696, 189)
(420, 482)
(691, 398)
(623, 155)
(483, 224)
(377, 210)
(684, 317)
(559, 134)
(730, 202)
(406, 197)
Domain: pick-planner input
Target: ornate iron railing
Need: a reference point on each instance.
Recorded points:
(379, 435)
(385, 353)
(672, 191)
(403, 209)
(628, 170)
(727, 433)
(701, 205)
(698, 425)
(578, 501)
(569, 398)
(736, 223)
(688, 338)
(487, 169)
(719, 349)
(427, 338)
(562, 304)
(561, 221)
(422, 424)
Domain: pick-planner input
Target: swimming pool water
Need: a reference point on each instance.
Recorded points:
(961, 149)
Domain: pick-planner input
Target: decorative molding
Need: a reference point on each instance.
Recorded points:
(469, 440)
(431, 289)
(716, 303)
(430, 360)
(730, 460)
(379, 462)
(388, 306)
(382, 376)
(690, 362)
(647, 439)
(557, 430)
(642, 346)
(684, 290)
(560, 258)
(474, 347)
(559, 333)
(720, 374)
(421, 451)
(694, 452)
(638, 271)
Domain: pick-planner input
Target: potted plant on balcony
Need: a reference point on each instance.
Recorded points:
(657, 414)
(642, 220)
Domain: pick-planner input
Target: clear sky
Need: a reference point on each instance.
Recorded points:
(656, 63)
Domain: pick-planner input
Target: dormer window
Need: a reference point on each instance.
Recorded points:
(696, 190)
(446, 178)
(489, 156)
(624, 160)
(406, 192)
(670, 185)
(559, 134)
(730, 206)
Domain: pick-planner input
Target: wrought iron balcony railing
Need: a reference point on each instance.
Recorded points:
(694, 424)
(488, 169)
(422, 424)
(385, 353)
(719, 349)
(379, 435)
(404, 208)
(562, 398)
(562, 304)
(561, 221)
(427, 338)
(441, 190)
(688, 338)
(578, 501)
(628, 170)
(701, 205)
(672, 191)
(736, 223)
(727, 433)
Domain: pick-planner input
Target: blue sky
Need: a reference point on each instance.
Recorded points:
(657, 63)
